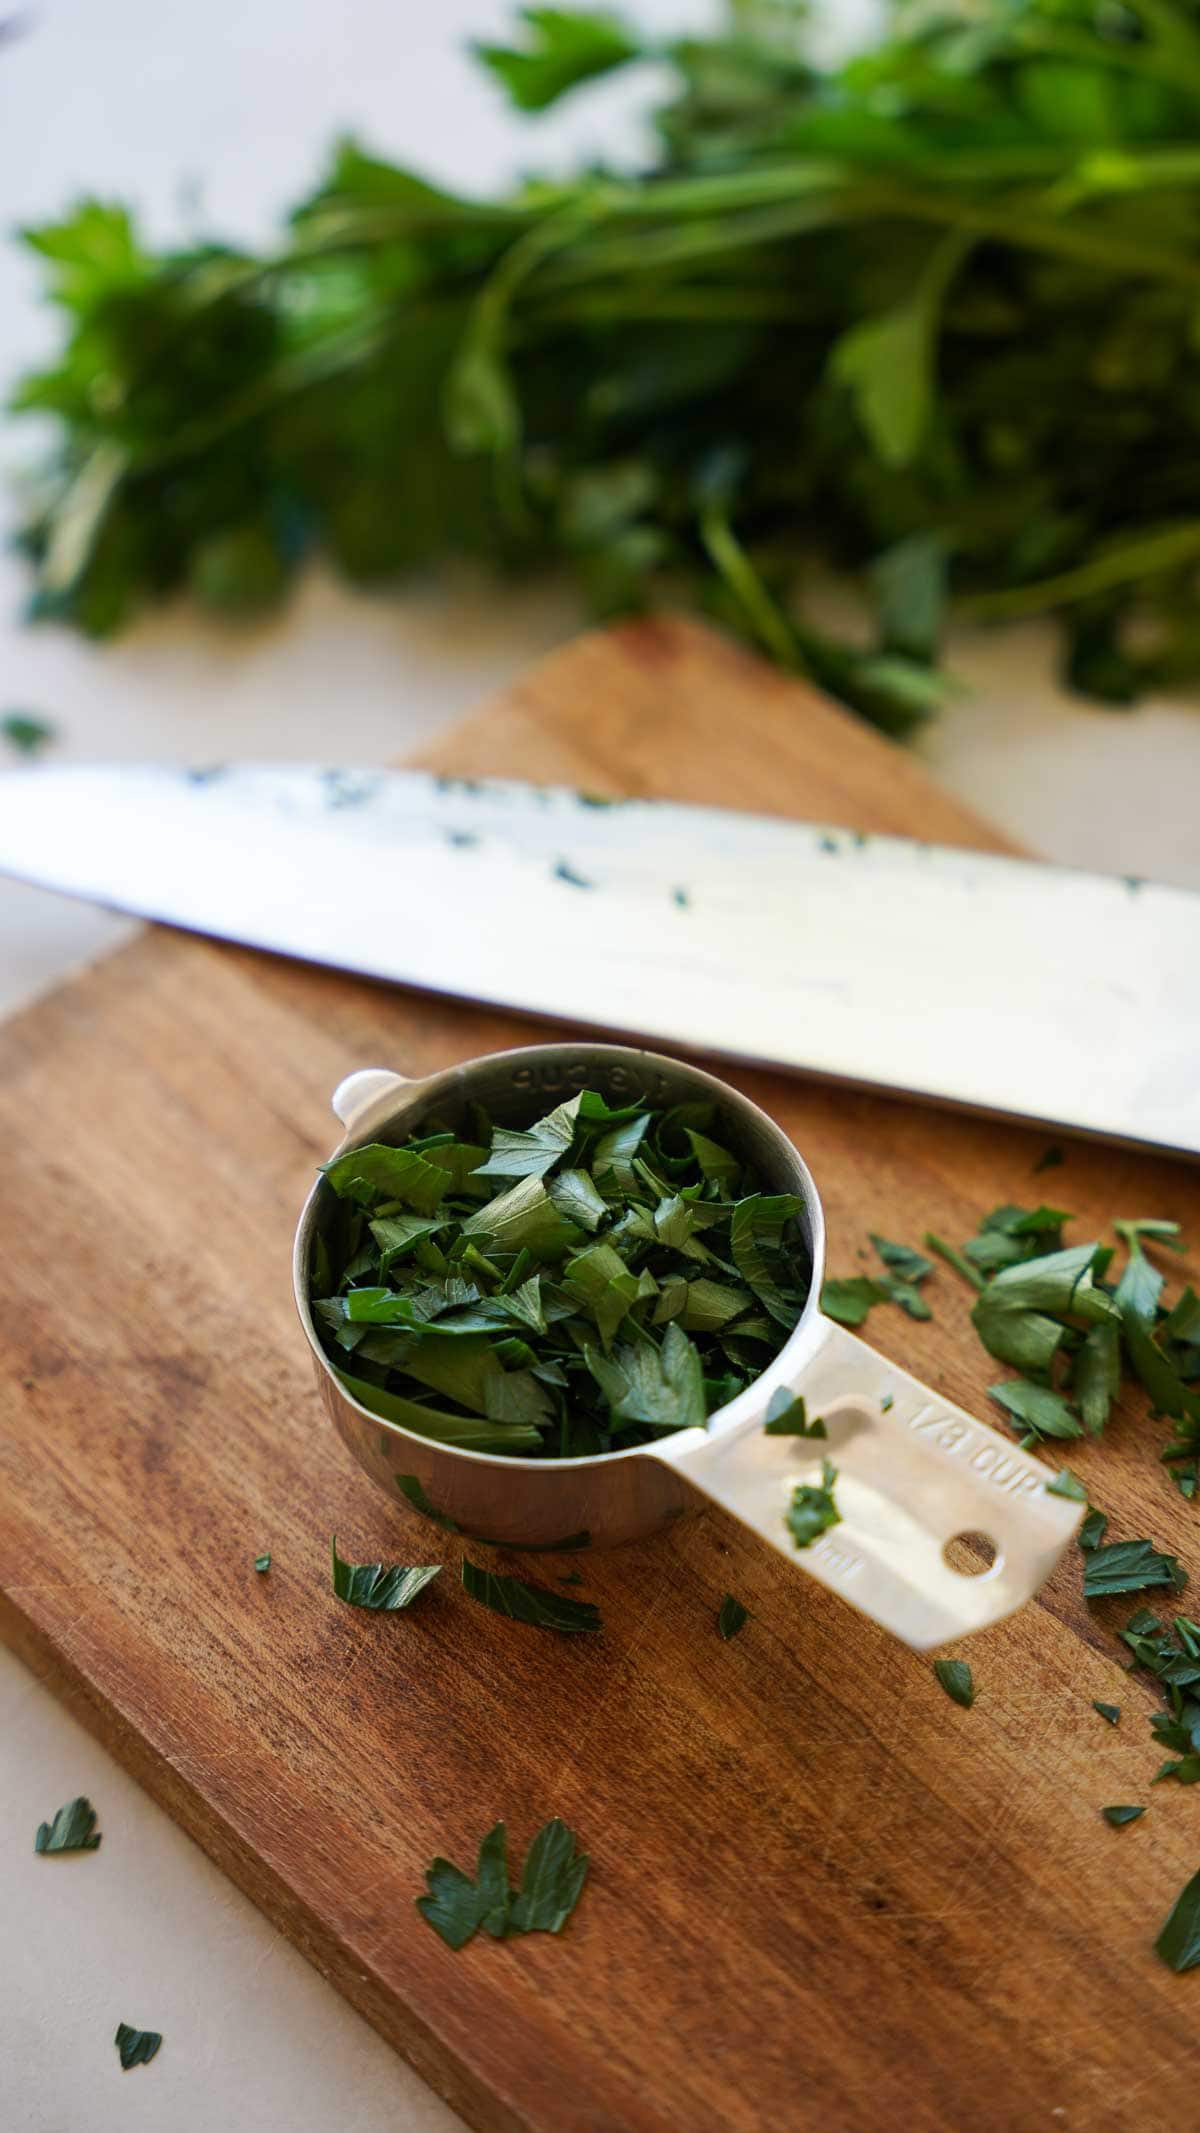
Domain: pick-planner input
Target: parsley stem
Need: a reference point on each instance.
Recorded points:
(955, 1259)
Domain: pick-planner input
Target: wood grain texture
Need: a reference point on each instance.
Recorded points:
(822, 1896)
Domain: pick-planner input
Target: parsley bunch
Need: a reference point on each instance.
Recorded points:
(586, 1284)
(927, 315)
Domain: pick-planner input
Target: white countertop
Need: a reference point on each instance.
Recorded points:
(141, 98)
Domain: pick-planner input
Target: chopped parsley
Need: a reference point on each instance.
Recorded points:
(385, 1591)
(1179, 1942)
(812, 1510)
(1129, 1566)
(1117, 1817)
(731, 1617)
(262, 1563)
(457, 1907)
(957, 1680)
(787, 1416)
(533, 1604)
(72, 1830)
(25, 732)
(1110, 1712)
(555, 1286)
(136, 2047)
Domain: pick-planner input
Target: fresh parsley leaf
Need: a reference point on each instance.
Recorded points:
(455, 1906)
(1040, 1411)
(731, 1617)
(1118, 1817)
(1129, 1566)
(1096, 1375)
(787, 1416)
(812, 1510)
(551, 1884)
(262, 1563)
(26, 733)
(398, 1173)
(1111, 1712)
(849, 1300)
(957, 1680)
(563, 47)
(136, 2047)
(1185, 1772)
(1092, 1531)
(957, 1260)
(1065, 1483)
(71, 1830)
(900, 1259)
(384, 1591)
(1049, 1159)
(1178, 1944)
(533, 1604)
(757, 1235)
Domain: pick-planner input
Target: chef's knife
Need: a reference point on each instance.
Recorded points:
(1004, 985)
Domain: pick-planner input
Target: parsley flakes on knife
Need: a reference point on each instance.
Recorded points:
(583, 1283)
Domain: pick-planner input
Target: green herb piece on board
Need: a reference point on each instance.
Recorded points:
(957, 1680)
(1110, 1712)
(1119, 1817)
(72, 1830)
(1129, 1566)
(1178, 1944)
(1065, 1483)
(532, 1604)
(551, 1884)
(731, 1617)
(384, 1591)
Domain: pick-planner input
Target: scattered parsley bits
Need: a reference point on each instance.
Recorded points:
(1179, 1942)
(371, 1585)
(787, 1416)
(1092, 1531)
(731, 1617)
(551, 1884)
(532, 1604)
(1111, 1712)
(957, 1680)
(26, 733)
(812, 1510)
(1129, 1566)
(262, 1563)
(848, 1301)
(1065, 1483)
(136, 2047)
(1049, 1159)
(583, 1282)
(72, 1830)
(1117, 1817)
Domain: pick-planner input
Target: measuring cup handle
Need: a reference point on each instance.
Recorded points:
(360, 1092)
(914, 1472)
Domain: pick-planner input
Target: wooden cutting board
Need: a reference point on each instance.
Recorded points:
(822, 1896)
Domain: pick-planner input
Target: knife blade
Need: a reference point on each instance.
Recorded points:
(1004, 985)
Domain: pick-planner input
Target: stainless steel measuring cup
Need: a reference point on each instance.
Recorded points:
(915, 1473)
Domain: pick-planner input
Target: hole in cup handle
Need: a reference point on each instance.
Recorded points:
(361, 1091)
(915, 1474)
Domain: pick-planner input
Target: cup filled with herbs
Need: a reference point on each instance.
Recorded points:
(558, 1296)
